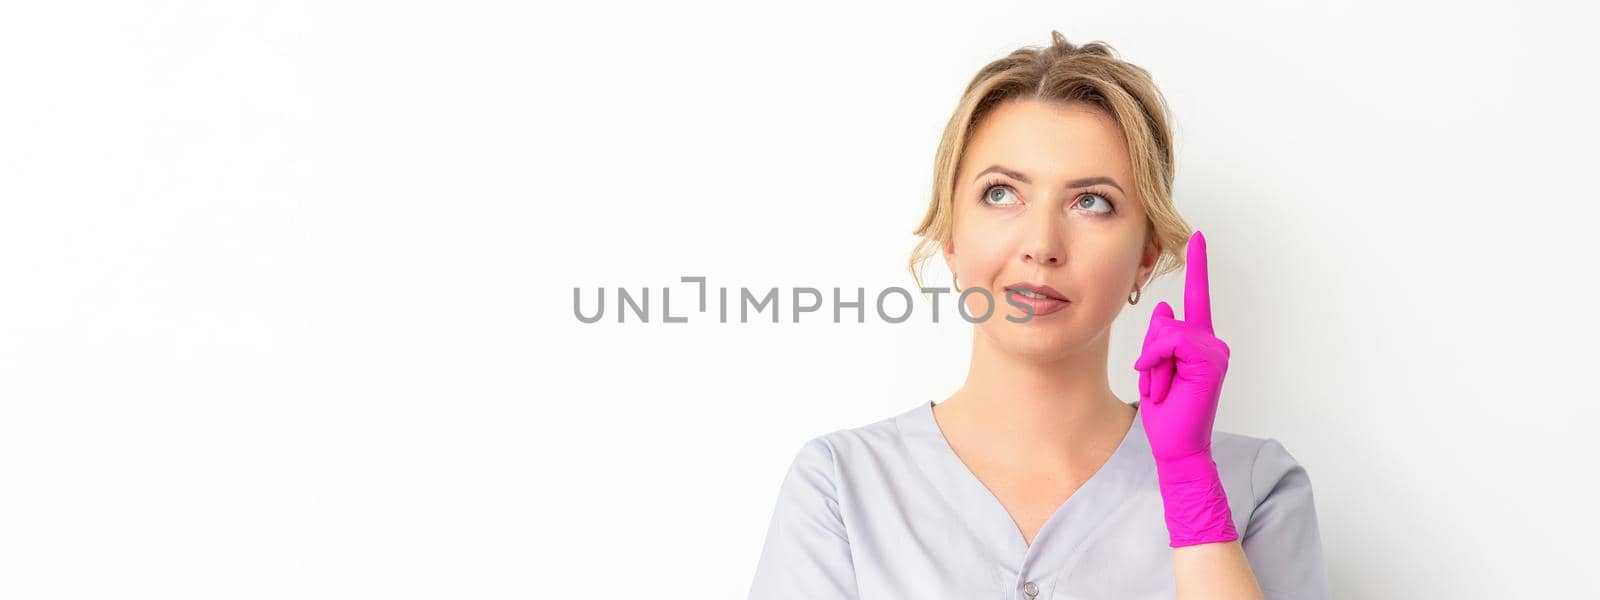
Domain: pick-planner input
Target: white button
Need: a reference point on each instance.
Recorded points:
(1030, 588)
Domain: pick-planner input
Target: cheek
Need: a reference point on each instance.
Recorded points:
(1111, 269)
(1107, 277)
(980, 257)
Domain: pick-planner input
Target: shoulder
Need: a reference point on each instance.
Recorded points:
(1261, 465)
(853, 440)
(875, 442)
(848, 444)
(1275, 514)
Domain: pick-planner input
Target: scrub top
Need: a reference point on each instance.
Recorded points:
(889, 510)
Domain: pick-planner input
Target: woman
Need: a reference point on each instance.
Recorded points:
(1033, 480)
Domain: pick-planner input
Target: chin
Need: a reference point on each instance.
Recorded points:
(1036, 340)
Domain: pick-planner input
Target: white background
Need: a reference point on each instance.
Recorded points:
(286, 287)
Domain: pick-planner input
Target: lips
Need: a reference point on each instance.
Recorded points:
(1041, 300)
(1034, 288)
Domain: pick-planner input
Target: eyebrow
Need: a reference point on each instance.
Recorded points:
(1076, 183)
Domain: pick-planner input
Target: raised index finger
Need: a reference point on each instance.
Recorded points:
(1197, 285)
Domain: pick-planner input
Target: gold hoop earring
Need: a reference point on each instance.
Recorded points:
(1134, 299)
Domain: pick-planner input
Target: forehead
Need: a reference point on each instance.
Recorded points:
(1049, 140)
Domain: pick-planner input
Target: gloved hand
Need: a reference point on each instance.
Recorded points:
(1180, 380)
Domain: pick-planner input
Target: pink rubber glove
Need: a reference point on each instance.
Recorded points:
(1180, 380)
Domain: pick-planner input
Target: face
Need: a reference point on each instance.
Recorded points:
(1045, 196)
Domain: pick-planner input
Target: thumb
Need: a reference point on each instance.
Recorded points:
(1165, 310)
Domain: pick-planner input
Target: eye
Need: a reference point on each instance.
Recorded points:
(1099, 203)
(995, 194)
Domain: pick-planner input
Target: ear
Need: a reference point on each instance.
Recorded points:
(1147, 262)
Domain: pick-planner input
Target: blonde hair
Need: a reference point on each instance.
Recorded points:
(1065, 72)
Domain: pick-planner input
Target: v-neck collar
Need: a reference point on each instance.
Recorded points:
(1128, 471)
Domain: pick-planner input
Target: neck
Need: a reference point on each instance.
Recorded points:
(1033, 409)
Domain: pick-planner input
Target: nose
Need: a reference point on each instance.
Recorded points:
(1041, 255)
(1043, 244)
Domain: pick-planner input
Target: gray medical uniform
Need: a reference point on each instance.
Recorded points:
(888, 510)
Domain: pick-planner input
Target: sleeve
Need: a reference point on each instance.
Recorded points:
(807, 551)
(1281, 539)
